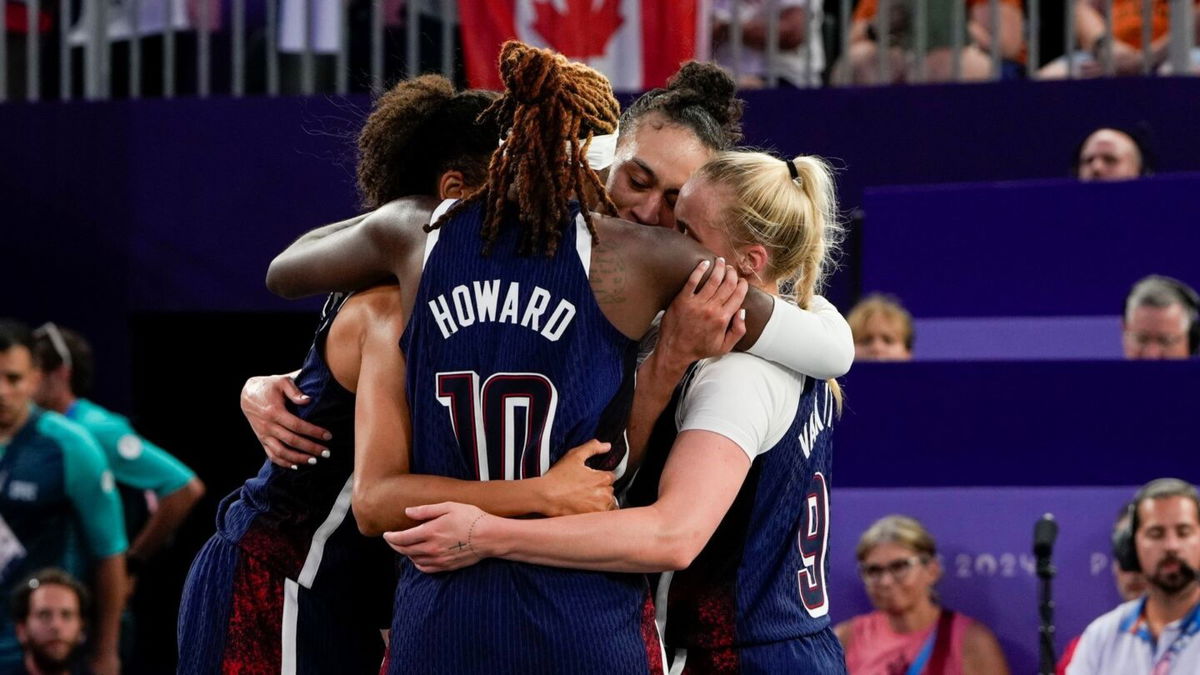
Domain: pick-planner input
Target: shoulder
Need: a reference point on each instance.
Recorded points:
(102, 423)
(981, 652)
(845, 632)
(71, 438)
(741, 374)
(366, 309)
(400, 221)
(1114, 621)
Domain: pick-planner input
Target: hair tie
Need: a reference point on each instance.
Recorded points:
(792, 169)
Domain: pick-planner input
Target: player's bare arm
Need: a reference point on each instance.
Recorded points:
(666, 535)
(355, 256)
(364, 350)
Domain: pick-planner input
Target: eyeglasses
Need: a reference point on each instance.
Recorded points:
(1146, 339)
(57, 341)
(898, 569)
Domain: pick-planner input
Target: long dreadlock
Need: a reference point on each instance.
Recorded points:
(550, 109)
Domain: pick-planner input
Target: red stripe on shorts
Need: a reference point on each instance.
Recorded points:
(253, 641)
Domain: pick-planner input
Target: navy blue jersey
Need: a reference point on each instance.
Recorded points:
(762, 576)
(510, 364)
(298, 521)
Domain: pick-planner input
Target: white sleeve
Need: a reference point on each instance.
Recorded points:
(815, 342)
(745, 399)
(1086, 659)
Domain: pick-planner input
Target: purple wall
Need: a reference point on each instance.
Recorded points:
(1034, 248)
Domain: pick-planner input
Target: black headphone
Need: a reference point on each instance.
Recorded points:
(1124, 548)
(1187, 297)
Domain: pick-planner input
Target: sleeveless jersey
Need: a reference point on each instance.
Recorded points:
(298, 522)
(761, 577)
(510, 364)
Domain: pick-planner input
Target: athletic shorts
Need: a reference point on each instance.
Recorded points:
(816, 654)
(240, 616)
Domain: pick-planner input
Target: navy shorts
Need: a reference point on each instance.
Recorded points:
(816, 654)
(239, 615)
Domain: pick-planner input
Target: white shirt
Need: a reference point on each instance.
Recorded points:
(750, 401)
(1119, 642)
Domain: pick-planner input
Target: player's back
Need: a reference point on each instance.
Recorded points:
(298, 521)
(761, 578)
(510, 364)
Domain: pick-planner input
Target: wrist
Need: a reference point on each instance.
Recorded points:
(484, 538)
(544, 499)
(665, 368)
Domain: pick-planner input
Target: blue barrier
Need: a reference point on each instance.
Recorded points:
(1040, 248)
(1017, 423)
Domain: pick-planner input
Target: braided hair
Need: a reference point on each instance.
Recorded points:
(418, 130)
(547, 115)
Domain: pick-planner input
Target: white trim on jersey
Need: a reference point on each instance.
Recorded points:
(432, 239)
(583, 244)
(316, 549)
(660, 617)
(291, 614)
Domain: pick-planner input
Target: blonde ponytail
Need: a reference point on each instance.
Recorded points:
(789, 207)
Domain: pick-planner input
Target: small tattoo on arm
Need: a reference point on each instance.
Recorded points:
(459, 546)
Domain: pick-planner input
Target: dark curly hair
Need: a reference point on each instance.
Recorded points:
(418, 130)
(700, 97)
(550, 109)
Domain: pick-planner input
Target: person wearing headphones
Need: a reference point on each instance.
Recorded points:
(1161, 319)
(1154, 634)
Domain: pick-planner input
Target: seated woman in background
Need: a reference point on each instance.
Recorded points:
(909, 631)
(882, 328)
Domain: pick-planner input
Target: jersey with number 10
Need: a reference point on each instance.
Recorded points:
(510, 364)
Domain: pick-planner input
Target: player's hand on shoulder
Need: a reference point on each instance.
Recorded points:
(703, 320)
(444, 541)
(571, 486)
(287, 439)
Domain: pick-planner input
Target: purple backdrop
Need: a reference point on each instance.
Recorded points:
(985, 538)
(1035, 248)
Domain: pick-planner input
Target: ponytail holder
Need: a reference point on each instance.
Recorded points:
(792, 169)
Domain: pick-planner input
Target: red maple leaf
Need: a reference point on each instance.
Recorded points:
(583, 31)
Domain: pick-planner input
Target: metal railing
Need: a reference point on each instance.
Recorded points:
(238, 49)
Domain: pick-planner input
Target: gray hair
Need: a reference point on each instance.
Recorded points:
(1156, 291)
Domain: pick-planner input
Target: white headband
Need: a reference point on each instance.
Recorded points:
(602, 151)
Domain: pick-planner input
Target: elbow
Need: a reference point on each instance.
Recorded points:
(277, 281)
(366, 511)
(195, 491)
(679, 548)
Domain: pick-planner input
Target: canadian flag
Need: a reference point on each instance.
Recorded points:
(638, 44)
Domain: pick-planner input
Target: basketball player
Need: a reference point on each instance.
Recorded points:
(288, 584)
(664, 136)
(566, 315)
(753, 439)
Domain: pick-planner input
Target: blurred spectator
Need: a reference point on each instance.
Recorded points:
(58, 503)
(1111, 154)
(801, 54)
(49, 610)
(1131, 583)
(1153, 633)
(1128, 57)
(909, 632)
(157, 490)
(1161, 319)
(860, 64)
(883, 329)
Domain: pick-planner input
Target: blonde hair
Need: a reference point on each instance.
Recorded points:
(896, 529)
(793, 218)
(884, 305)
